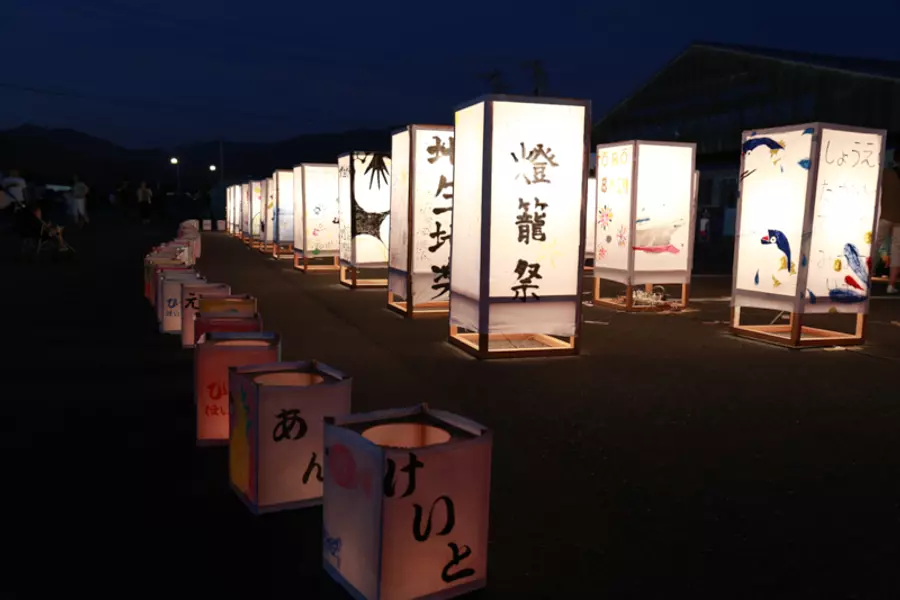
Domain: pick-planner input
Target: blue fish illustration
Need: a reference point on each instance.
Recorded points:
(852, 256)
(804, 163)
(846, 296)
(803, 261)
(808, 131)
(812, 297)
(756, 278)
(781, 242)
(754, 143)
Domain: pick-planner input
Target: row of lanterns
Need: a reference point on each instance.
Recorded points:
(405, 492)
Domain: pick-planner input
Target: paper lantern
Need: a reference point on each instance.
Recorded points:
(276, 455)
(590, 224)
(644, 231)
(214, 354)
(151, 262)
(254, 218)
(267, 238)
(229, 193)
(421, 217)
(191, 293)
(246, 211)
(316, 231)
(218, 322)
(170, 310)
(155, 281)
(207, 225)
(407, 494)
(520, 178)
(187, 274)
(220, 225)
(364, 206)
(283, 246)
(242, 305)
(807, 211)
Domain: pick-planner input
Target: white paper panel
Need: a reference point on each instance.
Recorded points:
(271, 199)
(372, 208)
(256, 206)
(662, 223)
(345, 201)
(320, 199)
(244, 217)
(613, 209)
(537, 183)
(465, 268)
(842, 236)
(298, 208)
(773, 202)
(400, 155)
(433, 214)
(590, 221)
(284, 206)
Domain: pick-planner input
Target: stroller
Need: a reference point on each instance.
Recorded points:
(40, 236)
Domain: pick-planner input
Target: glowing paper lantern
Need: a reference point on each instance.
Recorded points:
(191, 293)
(421, 216)
(155, 282)
(644, 232)
(316, 217)
(245, 211)
(236, 306)
(406, 503)
(520, 179)
(170, 312)
(254, 217)
(150, 265)
(806, 217)
(214, 354)
(220, 225)
(284, 214)
(229, 197)
(217, 322)
(276, 455)
(590, 222)
(207, 225)
(364, 199)
(267, 238)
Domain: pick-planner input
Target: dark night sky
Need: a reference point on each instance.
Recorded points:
(166, 72)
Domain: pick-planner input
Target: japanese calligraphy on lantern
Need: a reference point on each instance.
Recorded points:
(612, 216)
(345, 209)
(256, 207)
(317, 220)
(432, 216)
(245, 209)
(364, 192)
(537, 189)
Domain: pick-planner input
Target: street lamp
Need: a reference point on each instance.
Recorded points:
(212, 167)
(174, 161)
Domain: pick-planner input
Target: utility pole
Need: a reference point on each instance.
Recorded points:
(538, 76)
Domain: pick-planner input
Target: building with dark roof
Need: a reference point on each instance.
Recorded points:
(710, 93)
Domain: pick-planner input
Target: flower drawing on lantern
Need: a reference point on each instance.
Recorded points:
(601, 253)
(604, 217)
(622, 236)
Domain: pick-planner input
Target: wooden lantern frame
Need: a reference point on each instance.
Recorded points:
(478, 343)
(281, 250)
(304, 260)
(407, 307)
(795, 335)
(626, 303)
(350, 275)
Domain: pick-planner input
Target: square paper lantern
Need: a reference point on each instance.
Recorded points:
(218, 322)
(364, 198)
(220, 225)
(316, 231)
(151, 263)
(276, 452)
(191, 293)
(520, 179)
(283, 245)
(807, 211)
(421, 218)
(256, 210)
(214, 354)
(156, 281)
(235, 306)
(171, 313)
(246, 211)
(407, 493)
(644, 221)
(207, 225)
(267, 238)
(590, 223)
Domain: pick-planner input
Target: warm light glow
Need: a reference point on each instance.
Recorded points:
(366, 202)
(173, 160)
(212, 167)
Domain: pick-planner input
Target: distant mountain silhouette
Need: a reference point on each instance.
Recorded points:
(55, 155)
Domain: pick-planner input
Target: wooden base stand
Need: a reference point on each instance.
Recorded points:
(796, 335)
(419, 311)
(881, 279)
(283, 251)
(627, 304)
(349, 277)
(512, 345)
(305, 264)
(265, 247)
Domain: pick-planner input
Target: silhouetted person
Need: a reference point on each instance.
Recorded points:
(144, 201)
(79, 201)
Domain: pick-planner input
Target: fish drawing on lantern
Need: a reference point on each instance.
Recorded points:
(781, 242)
(656, 239)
